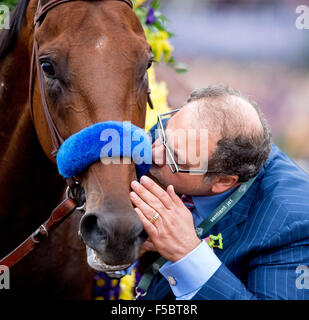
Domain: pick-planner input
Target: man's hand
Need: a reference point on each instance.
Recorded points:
(147, 246)
(173, 233)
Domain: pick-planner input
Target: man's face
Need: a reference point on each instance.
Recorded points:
(190, 146)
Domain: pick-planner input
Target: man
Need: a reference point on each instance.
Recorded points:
(265, 234)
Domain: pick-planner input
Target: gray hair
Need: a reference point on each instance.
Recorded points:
(239, 151)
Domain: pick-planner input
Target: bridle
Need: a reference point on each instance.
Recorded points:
(56, 138)
(71, 202)
(39, 16)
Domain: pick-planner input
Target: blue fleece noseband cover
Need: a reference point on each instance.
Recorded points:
(110, 139)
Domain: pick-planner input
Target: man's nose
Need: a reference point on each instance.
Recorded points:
(158, 153)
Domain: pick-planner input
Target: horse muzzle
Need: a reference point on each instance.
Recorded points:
(113, 240)
(96, 262)
(110, 228)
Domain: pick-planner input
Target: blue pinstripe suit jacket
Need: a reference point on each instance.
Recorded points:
(266, 237)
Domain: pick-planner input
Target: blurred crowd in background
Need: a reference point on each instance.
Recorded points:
(253, 46)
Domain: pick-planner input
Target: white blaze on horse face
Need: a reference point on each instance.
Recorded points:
(100, 43)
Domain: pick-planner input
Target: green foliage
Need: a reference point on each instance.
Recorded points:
(156, 32)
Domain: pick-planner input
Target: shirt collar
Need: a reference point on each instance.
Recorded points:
(204, 205)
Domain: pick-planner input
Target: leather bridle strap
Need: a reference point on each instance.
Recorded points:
(57, 140)
(51, 4)
(64, 209)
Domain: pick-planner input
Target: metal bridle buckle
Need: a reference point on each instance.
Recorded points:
(138, 294)
(67, 195)
(67, 192)
(81, 208)
(40, 234)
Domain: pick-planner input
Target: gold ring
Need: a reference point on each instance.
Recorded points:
(154, 218)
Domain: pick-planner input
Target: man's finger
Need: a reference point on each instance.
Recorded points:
(148, 226)
(146, 210)
(174, 197)
(147, 246)
(155, 189)
(147, 196)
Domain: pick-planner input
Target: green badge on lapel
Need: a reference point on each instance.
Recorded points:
(215, 241)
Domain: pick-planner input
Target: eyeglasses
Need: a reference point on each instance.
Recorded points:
(170, 159)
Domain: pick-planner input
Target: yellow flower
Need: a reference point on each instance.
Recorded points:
(100, 283)
(159, 42)
(127, 284)
(115, 282)
(138, 3)
(159, 95)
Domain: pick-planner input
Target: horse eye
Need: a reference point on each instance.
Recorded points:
(149, 63)
(48, 69)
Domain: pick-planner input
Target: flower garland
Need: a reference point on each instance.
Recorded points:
(153, 22)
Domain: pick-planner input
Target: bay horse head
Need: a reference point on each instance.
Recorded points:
(92, 58)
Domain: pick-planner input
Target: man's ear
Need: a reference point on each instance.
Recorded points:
(224, 183)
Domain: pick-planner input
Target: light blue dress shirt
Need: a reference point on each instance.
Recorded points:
(196, 268)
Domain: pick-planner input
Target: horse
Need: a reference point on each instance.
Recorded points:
(93, 57)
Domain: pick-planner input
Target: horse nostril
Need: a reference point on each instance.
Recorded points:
(90, 231)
